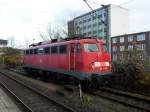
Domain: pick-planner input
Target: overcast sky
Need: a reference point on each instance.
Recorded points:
(23, 19)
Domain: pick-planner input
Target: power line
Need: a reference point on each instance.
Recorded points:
(124, 3)
(88, 5)
(127, 2)
(94, 11)
(102, 21)
(119, 4)
(94, 2)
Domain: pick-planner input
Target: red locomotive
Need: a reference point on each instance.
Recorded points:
(82, 59)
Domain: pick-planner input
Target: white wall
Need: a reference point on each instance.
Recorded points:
(3, 45)
(118, 20)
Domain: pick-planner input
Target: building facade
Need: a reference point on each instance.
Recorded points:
(123, 44)
(101, 23)
(3, 43)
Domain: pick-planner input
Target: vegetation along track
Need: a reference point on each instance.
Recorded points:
(128, 99)
(31, 98)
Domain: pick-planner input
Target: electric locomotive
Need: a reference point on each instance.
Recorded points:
(80, 59)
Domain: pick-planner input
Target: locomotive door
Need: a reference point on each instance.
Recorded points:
(74, 56)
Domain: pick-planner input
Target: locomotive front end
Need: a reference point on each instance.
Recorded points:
(97, 62)
(102, 68)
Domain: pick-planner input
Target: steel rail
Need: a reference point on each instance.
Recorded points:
(39, 93)
(130, 96)
(16, 97)
(112, 95)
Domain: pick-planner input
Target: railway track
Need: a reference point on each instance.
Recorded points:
(136, 101)
(31, 99)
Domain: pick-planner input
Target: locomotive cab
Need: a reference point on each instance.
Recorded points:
(92, 58)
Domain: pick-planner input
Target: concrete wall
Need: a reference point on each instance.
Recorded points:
(118, 20)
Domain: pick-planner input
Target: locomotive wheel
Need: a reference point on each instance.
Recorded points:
(86, 84)
(95, 83)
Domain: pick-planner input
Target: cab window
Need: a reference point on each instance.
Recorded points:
(90, 47)
(40, 50)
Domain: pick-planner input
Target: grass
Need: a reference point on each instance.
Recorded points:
(145, 78)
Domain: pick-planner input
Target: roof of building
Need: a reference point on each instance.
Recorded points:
(2, 40)
(91, 12)
(97, 10)
(135, 33)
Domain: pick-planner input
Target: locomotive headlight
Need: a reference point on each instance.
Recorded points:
(99, 64)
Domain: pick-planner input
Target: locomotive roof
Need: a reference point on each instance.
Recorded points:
(85, 40)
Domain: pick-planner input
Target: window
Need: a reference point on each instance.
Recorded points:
(94, 25)
(24, 52)
(141, 46)
(35, 51)
(100, 31)
(130, 47)
(80, 22)
(94, 17)
(121, 39)
(130, 38)
(94, 32)
(76, 24)
(31, 51)
(114, 57)
(140, 37)
(27, 52)
(89, 19)
(47, 50)
(100, 23)
(54, 49)
(89, 33)
(122, 48)
(84, 27)
(114, 40)
(104, 14)
(99, 16)
(141, 57)
(121, 57)
(84, 34)
(84, 21)
(89, 26)
(90, 47)
(63, 49)
(40, 51)
(114, 48)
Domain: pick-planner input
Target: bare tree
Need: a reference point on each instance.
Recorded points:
(50, 31)
(11, 41)
(53, 32)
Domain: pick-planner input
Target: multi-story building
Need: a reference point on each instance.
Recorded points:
(102, 23)
(3, 43)
(122, 44)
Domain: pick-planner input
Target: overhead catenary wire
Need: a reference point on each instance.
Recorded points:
(102, 21)
(124, 3)
(94, 12)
